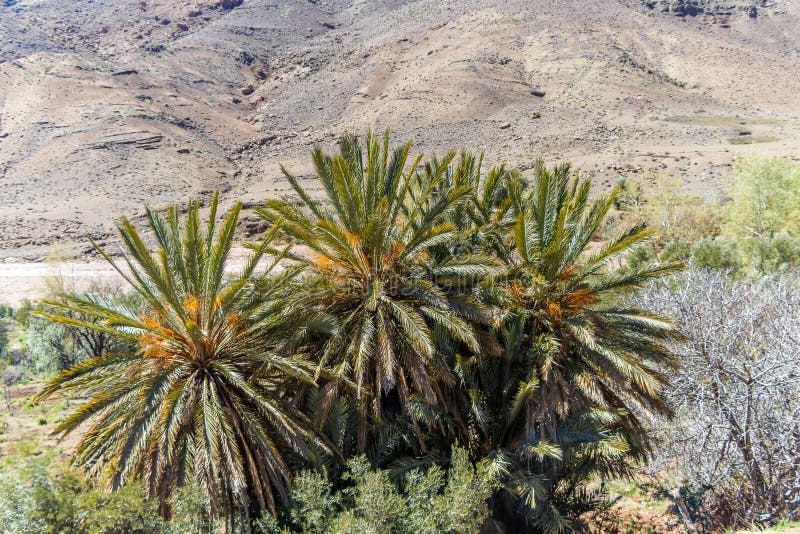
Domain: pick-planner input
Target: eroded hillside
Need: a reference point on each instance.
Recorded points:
(107, 105)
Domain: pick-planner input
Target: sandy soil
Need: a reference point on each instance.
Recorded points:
(33, 280)
(29, 280)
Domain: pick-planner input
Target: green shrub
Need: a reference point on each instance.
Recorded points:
(716, 253)
(41, 495)
(676, 251)
(429, 501)
(772, 254)
(48, 347)
(191, 511)
(125, 510)
(754, 256)
(629, 197)
(23, 312)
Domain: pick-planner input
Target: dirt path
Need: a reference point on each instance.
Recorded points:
(19, 281)
(31, 280)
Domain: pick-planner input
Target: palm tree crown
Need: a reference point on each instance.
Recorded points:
(560, 405)
(203, 399)
(600, 353)
(366, 250)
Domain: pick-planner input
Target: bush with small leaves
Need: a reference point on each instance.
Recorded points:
(191, 511)
(423, 502)
(41, 495)
(676, 251)
(771, 254)
(715, 253)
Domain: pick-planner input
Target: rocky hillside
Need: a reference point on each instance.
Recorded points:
(106, 105)
(718, 10)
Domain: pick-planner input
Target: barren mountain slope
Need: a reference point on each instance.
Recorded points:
(105, 105)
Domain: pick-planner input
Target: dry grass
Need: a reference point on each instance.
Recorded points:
(752, 139)
(26, 427)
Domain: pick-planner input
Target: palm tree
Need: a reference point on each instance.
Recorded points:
(206, 396)
(485, 220)
(578, 367)
(601, 353)
(367, 254)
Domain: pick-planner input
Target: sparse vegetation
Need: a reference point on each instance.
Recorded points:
(752, 139)
(753, 232)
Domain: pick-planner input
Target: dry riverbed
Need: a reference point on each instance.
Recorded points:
(34, 280)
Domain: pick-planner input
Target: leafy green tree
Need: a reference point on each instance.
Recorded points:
(761, 233)
(369, 273)
(765, 198)
(205, 397)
